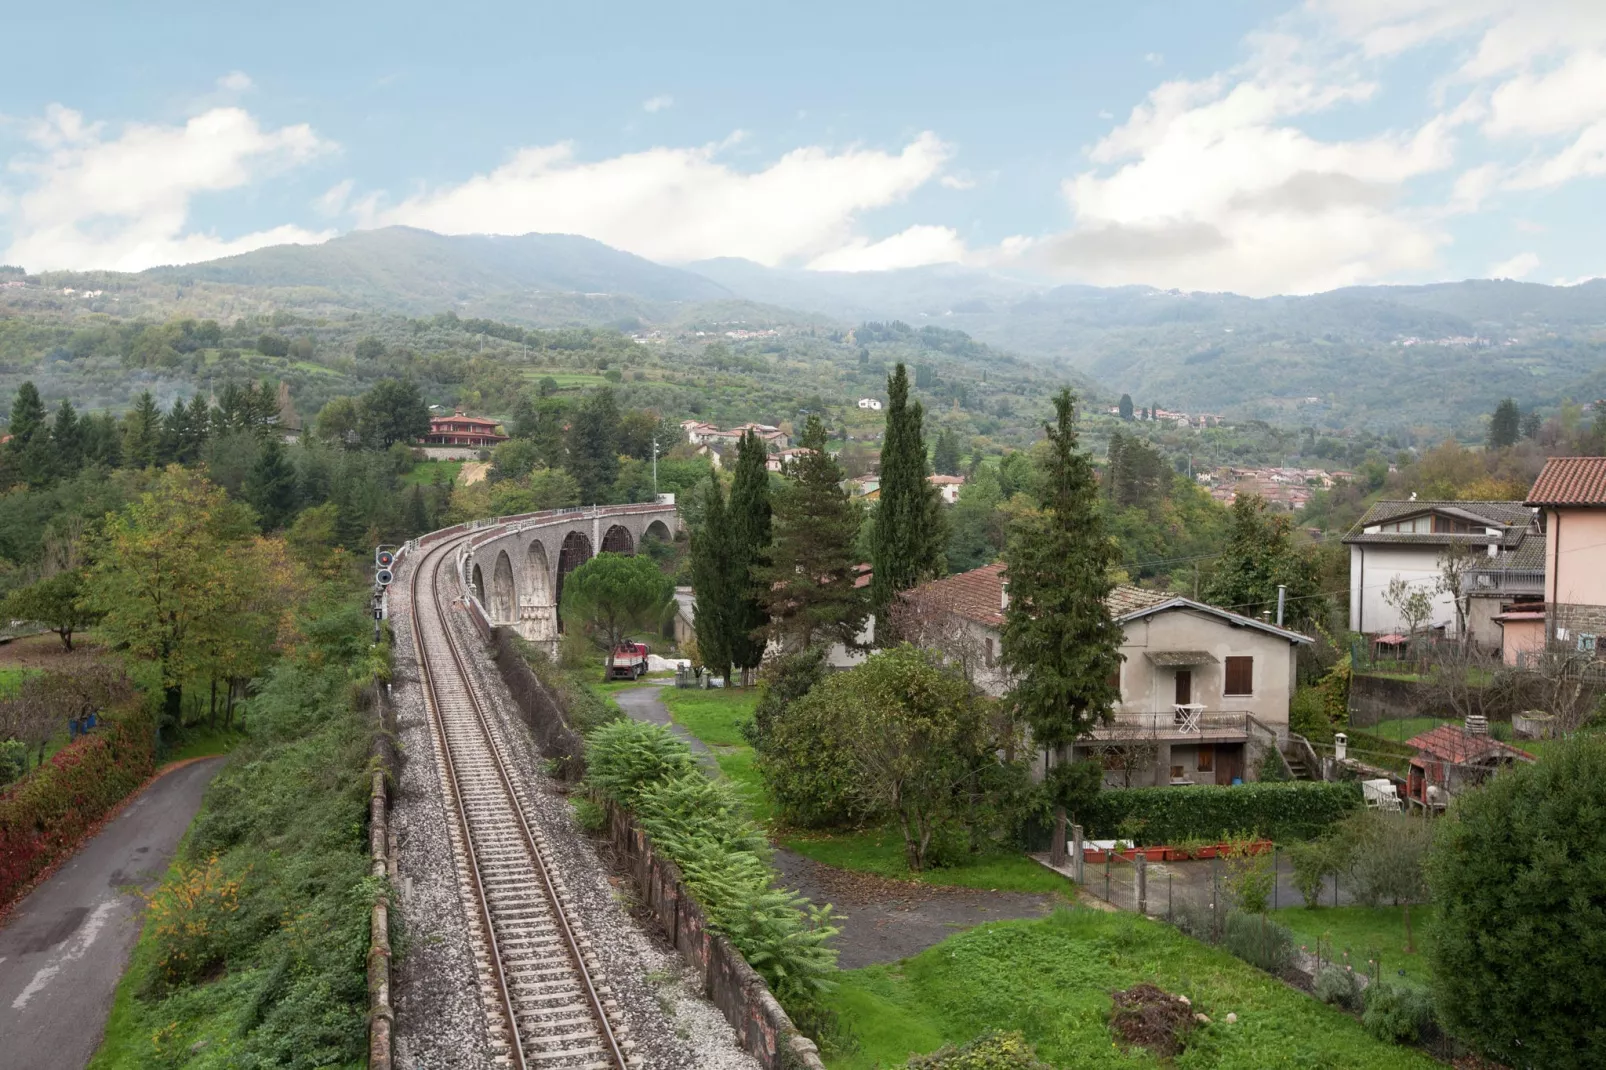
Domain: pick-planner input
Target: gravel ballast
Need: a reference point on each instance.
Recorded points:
(439, 1019)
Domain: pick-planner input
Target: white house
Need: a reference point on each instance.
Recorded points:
(947, 486)
(870, 403)
(1208, 689)
(1407, 541)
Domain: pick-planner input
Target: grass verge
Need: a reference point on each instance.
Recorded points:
(1052, 979)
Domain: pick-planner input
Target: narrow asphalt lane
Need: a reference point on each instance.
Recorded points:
(646, 703)
(67, 943)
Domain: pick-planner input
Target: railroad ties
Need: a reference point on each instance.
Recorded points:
(534, 960)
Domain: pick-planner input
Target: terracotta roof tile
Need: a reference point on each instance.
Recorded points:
(1570, 481)
(978, 595)
(1451, 743)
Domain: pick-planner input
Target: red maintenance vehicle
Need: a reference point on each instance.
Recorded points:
(629, 661)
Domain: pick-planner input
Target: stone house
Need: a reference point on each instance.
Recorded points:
(1202, 690)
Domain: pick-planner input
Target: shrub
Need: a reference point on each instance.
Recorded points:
(189, 917)
(624, 756)
(1339, 987)
(1250, 877)
(1517, 879)
(1313, 861)
(1281, 811)
(1259, 941)
(588, 815)
(990, 1051)
(723, 856)
(808, 766)
(1400, 1014)
(44, 814)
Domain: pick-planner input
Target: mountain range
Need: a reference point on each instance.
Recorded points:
(1379, 356)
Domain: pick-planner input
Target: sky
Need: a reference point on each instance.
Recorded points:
(1239, 145)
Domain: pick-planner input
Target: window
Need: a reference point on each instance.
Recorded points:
(1207, 759)
(1240, 676)
(987, 651)
(1115, 682)
(1586, 643)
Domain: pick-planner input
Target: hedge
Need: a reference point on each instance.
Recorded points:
(43, 815)
(1298, 810)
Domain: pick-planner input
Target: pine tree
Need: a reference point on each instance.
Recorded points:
(1058, 638)
(1505, 425)
(29, 452)
(271, 486)
(711, 580)
(945, 453)
(594, 447)
(748, 514)
(909, 540)
(142, 432)
(416, 517)
(67, 440)
(809, 584)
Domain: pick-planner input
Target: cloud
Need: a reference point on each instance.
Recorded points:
(96, 201)
(1154, 59)
(956, 182)
(657, 103)
(334, 200)
(680, 204)
(1518, 267)
(1214, 184)
(235, 82)
(917, 246)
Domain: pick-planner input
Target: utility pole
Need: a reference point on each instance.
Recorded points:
(655, 466)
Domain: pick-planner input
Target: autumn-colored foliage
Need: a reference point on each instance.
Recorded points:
(185, 915)
(45, 813)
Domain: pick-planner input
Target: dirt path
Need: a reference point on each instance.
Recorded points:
(881, 920)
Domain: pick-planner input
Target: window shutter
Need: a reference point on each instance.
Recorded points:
(1240, 676)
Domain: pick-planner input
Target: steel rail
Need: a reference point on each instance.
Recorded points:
(612, 1050)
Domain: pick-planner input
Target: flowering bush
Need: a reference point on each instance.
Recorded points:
(45, 813)
(188, 917)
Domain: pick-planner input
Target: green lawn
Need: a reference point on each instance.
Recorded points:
(1052, 979)
(566, 380)
(1367, 933)
(1401, 729)
(11, 679)
(425, 472)
(199, 741)
(716, 717)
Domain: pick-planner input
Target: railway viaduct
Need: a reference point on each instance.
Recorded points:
(515, 565)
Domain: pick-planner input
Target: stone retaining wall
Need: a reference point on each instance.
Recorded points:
(382, 764)
(761, 1023)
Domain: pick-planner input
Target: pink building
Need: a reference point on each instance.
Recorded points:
(1571, 491)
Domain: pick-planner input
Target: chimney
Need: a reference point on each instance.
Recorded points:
(1003, 593)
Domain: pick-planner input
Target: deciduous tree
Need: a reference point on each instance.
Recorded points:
(594, 446)
(53, 602)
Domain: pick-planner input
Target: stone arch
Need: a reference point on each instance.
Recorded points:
(538, 574)
(576, 551)
(658, 530)
(618, 540)
(476, 580)
(504, 605)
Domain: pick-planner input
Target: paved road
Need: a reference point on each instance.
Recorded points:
(647, 704)
(66, 945)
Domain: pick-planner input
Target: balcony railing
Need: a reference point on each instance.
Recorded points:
(1176, 724)
(1506, 581)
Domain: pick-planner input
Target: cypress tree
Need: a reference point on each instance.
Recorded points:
(1058, 638)
(711, 580)
(594, 446)
(748, 515)
(1125, 407)
(1505, 425)
(910, 535)
(945, 453)
(142, 432)
(809, 584)
(271, 486)
(67, 440)
(417, 515)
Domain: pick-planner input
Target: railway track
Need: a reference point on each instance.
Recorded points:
(534, 961)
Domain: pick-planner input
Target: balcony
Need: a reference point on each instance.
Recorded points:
(1188, 724)
(1505, 581)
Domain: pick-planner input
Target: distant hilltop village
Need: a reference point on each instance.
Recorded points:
(1176, 419)
(1287, 488)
